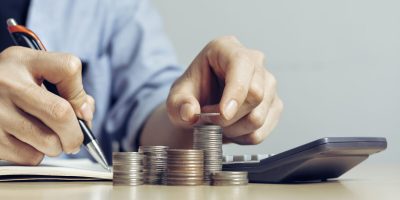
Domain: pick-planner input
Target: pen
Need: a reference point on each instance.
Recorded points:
(22, 36)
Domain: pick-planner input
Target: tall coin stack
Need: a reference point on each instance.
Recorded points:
(127, 168)
(209, 139)
(184, 167)
(229, 178)
(154, 163)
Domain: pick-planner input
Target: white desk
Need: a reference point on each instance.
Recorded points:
(378, 182)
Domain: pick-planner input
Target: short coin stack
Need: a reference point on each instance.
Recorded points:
(127, 168)
(154, 163)
(184, 167)
(229, 178)
(209, 139)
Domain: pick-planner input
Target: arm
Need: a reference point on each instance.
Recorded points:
(158, 130)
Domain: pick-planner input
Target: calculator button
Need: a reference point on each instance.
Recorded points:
(238, 158)
(227, 158)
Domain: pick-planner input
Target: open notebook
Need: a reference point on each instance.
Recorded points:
(54, 169)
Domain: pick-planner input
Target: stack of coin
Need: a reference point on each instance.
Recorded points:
(229, 178)
(184, 167)
(154, 163)
(127, 168)
(209, 139)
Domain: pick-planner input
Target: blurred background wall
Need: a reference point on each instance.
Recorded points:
(337, 62)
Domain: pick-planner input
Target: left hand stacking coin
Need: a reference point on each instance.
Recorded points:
(229, 78)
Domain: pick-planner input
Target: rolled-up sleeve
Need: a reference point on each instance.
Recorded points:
(144, 68)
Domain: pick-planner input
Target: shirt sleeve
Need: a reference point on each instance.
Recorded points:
(144, 68)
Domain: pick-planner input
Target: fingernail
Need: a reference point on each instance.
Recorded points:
(76, 151)
(230, 109)
(86, 112)
(185, 112)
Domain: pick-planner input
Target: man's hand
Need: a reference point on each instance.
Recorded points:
(227, 77)
(33, 121)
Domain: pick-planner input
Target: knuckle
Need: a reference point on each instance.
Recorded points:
(280, 105)
(73, 65)
(61, 110)
(256, 119)
(256, 94)
(230, 38)
(254, 138)
(217, 42)
(272, 80)
(11, 52)
(259, 55)
(239, 58)
(92, 102)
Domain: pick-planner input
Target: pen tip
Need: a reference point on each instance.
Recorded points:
(11, 22)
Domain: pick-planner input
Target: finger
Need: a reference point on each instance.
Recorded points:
(89, 106)
(182, 103)
(18, 152)
(54, 111)
(33, 132)
(239, 73)
(63, 70)
(231, 62)
(251, 122)
(260, 134)
(255, 97)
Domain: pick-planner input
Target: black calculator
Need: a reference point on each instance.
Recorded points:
(319, 160)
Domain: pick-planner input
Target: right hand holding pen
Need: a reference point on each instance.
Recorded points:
(33, 121)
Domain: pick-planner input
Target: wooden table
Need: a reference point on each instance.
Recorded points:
(364, 182)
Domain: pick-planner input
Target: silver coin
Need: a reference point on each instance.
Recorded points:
(226, 183)
(208, 114)
(154, 163)
(208, 138)
(127, 168)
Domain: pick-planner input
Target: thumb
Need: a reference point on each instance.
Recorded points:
(65, 72)
(182, 102)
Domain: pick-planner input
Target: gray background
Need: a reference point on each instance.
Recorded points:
(337, 62)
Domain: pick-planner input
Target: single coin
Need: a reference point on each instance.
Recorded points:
(221, 183)
(228, 173)
(184, 151)
(187, 183)
(208, 114)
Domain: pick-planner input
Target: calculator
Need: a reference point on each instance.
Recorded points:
(319, 160)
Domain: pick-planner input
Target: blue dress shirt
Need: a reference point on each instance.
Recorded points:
(130, 62)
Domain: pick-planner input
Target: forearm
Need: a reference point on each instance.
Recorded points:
(158, 130)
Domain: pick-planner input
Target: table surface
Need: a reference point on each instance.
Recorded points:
(366, 181)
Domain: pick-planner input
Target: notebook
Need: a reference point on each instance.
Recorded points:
(54, 170)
